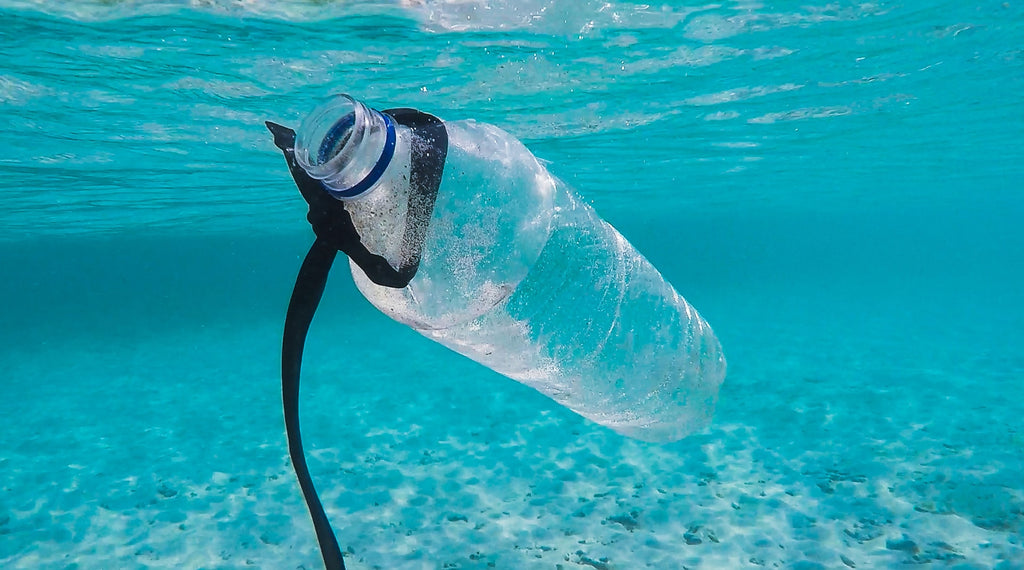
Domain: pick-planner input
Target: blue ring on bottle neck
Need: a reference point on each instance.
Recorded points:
(386, 154)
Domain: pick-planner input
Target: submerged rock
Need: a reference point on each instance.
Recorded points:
(628, 521)
(904, 544)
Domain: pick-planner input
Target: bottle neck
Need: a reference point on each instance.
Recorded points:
(346, 145)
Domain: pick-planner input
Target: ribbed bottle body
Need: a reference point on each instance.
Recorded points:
(520, 275)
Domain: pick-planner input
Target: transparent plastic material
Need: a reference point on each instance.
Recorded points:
(341, 143)
(520, 275)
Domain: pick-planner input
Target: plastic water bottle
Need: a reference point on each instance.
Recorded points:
(519, 274)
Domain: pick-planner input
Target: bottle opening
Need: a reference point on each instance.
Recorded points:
(346, 145)
(335, 139)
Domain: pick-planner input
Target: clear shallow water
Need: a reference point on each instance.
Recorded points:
(836, 188)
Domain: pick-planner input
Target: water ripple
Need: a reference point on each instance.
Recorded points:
(156, 108)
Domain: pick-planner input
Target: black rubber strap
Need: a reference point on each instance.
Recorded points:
(335, 232)
(309, 289)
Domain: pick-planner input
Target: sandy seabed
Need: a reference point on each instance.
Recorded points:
(168, 451)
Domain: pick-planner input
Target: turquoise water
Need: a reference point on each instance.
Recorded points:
(837, 188)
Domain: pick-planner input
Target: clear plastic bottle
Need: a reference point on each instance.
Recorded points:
(520, 275)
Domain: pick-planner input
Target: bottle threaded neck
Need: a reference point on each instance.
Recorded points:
(346, 145)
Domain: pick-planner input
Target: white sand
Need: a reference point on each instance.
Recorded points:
(169, 452)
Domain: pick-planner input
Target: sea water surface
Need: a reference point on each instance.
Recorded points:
(837, 187)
